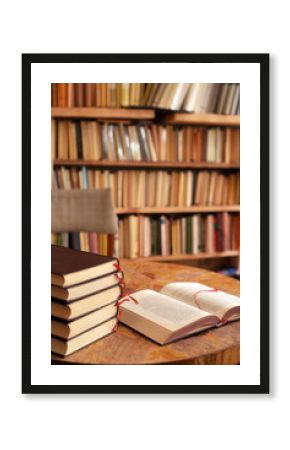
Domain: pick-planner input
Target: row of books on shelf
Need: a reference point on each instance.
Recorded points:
(91, 140)
(143, 236)
(100, 243)
(221, 98)
(155, 188)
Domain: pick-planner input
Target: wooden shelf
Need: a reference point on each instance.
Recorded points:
(145, 114)
(146, 164)
(201, 119)
(186, 257)
(178, 210)
(103, 113)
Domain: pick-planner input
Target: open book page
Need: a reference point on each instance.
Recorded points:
(163, 310)
(204, 297)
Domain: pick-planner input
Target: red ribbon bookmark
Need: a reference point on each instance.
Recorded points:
(203, 290)
(126, 298)
(117, 266)
(222, 322)
(121, 280)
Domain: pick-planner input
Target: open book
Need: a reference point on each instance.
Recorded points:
(178, 310)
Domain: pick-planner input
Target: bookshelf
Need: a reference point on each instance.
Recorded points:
(165, 118)
(145, 114)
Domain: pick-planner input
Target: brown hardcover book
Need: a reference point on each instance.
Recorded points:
(78, 291)
(70, 267)
(68, 346)
(72, 328)
(72, 310)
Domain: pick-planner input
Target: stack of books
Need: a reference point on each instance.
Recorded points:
(85, 288)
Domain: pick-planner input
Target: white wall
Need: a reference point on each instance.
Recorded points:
(171, 422)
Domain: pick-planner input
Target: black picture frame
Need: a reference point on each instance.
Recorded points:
(263, 61)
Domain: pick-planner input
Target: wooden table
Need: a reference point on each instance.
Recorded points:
(214, 346)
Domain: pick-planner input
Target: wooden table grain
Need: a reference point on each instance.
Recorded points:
(214, 346)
